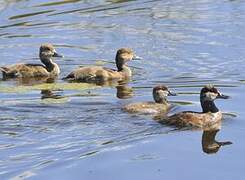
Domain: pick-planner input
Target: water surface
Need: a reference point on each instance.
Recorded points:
(63, 130)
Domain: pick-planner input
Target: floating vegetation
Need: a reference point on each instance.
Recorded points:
(46, 86)
(55, 101)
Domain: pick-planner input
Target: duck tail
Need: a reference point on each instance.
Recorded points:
(69, 77)
(4, 69)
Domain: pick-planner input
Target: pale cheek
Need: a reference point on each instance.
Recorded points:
(214, 97)
(163, 94)
(210, 96)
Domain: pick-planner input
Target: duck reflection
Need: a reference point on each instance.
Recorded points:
(47, 93)
(34, 81)
(124, 91)
(209, 144)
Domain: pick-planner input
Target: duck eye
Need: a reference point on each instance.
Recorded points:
(205, 90)
(214, 90)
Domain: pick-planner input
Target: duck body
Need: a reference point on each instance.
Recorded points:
(209, 118)
(160, 106)
(147, 108)
(49, 69)
(28, 71)
(98, 73)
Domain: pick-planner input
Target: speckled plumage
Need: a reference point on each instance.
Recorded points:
(49, 69)
(210, 118)
(147, 108)
(98, 73)
(160, 106)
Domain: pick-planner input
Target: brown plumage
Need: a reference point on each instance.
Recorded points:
(97, 73)
(208, 119)
(160, 106)
(49, 69)
(194, 119)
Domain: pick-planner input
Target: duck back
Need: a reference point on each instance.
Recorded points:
(24, 70)
(94, 73)
(194, 119)
(146, 108)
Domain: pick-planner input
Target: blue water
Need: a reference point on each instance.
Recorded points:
(84, 134)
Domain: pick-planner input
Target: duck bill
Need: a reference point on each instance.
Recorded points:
(137, 58)
(57, 55)
(224, 143)
(171, 93)
(222, 96)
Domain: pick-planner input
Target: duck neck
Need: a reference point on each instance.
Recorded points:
(125, 69)
(49, 64)
(208, 137)
(160, 100)
(209, 144)
(208, 106)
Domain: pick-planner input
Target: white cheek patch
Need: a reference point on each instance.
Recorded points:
(210, 96)
(162, 93)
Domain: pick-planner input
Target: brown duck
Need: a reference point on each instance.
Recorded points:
(209, 118)
(49, 69)
(98, 73)
(160, 106)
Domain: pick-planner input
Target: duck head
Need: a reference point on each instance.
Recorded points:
(46, 52)
(207, 96)
(124, 55)
(160, 93)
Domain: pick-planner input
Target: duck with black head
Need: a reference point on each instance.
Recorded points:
(160, 106)
(207, 119)
(100, 74)
(49, 69)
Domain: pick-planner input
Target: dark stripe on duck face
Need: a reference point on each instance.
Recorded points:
(209, 88)
(160, 87)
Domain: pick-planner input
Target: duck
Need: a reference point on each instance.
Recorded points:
(101, 74)
(160, 106)
(209, 118)
(22, 70)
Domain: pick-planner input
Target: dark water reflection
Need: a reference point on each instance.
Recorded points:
(63, 130)
(209, 144)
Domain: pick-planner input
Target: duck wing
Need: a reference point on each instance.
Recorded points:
(184, 119)
(91, 73)
(24, 70)
(109, 70)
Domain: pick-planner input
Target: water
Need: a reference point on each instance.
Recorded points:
(81, 131)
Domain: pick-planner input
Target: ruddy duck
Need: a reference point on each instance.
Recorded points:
(160, 106)
(208, 118)
(50, 69)
(97, 73)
